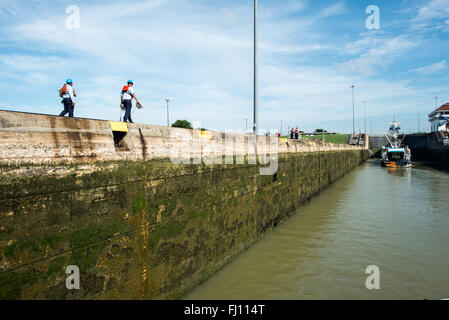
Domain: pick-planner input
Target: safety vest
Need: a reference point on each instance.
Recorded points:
(63, 91)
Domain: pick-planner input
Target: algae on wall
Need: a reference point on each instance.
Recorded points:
(144, 230)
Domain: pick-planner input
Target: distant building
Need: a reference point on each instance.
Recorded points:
(439, 118)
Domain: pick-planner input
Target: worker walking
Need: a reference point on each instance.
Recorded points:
(68, 94)
(128, 94)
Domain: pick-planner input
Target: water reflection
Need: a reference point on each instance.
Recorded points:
(399, 172)
(395, 219)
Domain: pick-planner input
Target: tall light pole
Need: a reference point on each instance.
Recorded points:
(281, 128)
(418, 124)
(255, 102)
(246, 125)
(168, 117)
(364, 102)
(353, 113)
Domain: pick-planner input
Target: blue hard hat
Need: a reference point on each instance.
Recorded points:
(69, 81)
(130, 81)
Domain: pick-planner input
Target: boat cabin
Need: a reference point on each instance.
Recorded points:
(395, 154)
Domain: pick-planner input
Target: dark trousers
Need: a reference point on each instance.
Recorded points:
(296, 136)
(68, 107)
(291, 135)
(128, 105)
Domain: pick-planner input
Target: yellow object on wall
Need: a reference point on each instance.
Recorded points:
(206, 135)
(119, 126)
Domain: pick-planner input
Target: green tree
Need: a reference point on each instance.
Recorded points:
(182, 124)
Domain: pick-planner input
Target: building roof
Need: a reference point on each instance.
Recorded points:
(444, 107)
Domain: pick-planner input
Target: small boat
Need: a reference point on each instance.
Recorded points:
(395, 154)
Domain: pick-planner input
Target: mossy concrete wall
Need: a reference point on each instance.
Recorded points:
(144, 230)
(138, 225)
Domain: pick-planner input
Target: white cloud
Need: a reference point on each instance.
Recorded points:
(199, 55)
(430, 13)
(375, 53)
(432, 69)
(8, 8)
(337, 8)
(434, 9)
(309, 96)
(275, 48)
(31, 63)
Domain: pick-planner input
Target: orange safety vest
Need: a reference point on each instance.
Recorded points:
(63, 91)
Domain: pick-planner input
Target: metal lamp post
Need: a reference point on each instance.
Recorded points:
(364, 103)
(255, 102)
(353, 112)
(419, 129)
(168, 117)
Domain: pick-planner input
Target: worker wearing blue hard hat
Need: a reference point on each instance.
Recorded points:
(68, 94)
(127, 95)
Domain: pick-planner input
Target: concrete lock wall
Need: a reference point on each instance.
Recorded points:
(137, 224)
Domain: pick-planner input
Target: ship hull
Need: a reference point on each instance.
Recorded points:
(396, 164)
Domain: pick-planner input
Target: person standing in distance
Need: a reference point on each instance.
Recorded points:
(68, 94)
(128, 94)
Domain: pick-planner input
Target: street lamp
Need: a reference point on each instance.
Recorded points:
(255, 102)
(168, 118)
(418, 125)
(364, 103)
(246, 125)
(281, 128)
(353, 113)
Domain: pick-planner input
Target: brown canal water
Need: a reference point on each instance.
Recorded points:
(395, 219)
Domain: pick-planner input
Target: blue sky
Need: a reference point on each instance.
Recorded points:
(198, 53)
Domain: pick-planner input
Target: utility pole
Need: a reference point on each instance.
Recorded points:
(255, 102)
(418, 124)
(168, 117)
(246, 125)
(281, 128)
(353, 113)
(364, 102)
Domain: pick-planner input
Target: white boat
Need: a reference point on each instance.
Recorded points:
(395, 154)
